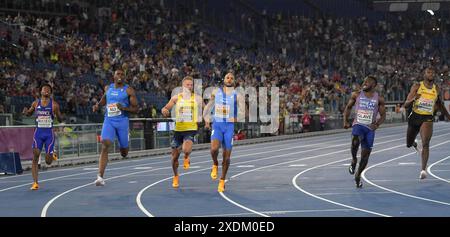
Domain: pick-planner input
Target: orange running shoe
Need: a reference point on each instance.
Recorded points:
(214, 172)
(175, 182)
(221, 186)
(186, 163)
(35, 186)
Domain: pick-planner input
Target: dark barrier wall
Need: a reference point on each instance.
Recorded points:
(17, 140)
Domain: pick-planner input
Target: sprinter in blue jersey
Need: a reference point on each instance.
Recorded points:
(46, 109)
(120, 99)
(225, 101)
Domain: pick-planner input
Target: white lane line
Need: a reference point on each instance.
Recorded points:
(147, 213)
(297, 165)
(363, 175)
(245, 166)
(350, 193)
(49, 203)
(435, 163)
(142, 168)
(242, 206)
(279, 212)
(407, 163)
(312, 157)
(308, 211)
(307, 158)
(227, 214)
(294, 182)
(78, 174)
(340, 204)
(259, 159)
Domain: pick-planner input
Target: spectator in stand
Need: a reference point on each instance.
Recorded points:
(323, 119)
(306, 121)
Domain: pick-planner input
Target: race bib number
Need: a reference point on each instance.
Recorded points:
(113, 110)
(425, 105)
(222, 111)
(364, 117)
(44, 122)
(185, 114)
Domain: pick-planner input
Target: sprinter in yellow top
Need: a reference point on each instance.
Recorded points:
(187, 115)
(425, 99)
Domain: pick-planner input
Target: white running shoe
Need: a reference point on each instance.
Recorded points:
(100, 181)
(423, 174)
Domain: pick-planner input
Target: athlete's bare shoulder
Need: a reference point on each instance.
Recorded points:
(356, 93)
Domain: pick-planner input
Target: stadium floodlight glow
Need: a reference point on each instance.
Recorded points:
(431, 12)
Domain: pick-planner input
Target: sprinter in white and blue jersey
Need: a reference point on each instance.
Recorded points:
(224, 100)
(120, 99)
(368, 105)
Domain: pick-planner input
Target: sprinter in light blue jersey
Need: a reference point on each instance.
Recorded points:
(225, 101)
(120, 99)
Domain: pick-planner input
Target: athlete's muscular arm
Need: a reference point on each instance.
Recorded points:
(348, 109)
(412, 95)
(382, 111)
(441, 106)
(28, 112)
(57, 111)
(102, 101)
(166, 109)
(207, 111)
(133, 102)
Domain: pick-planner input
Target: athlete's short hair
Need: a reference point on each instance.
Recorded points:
(187, 78)
(372, 78)
(48, 85)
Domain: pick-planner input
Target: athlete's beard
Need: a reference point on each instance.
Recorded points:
(229, 85)
(367, 89)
